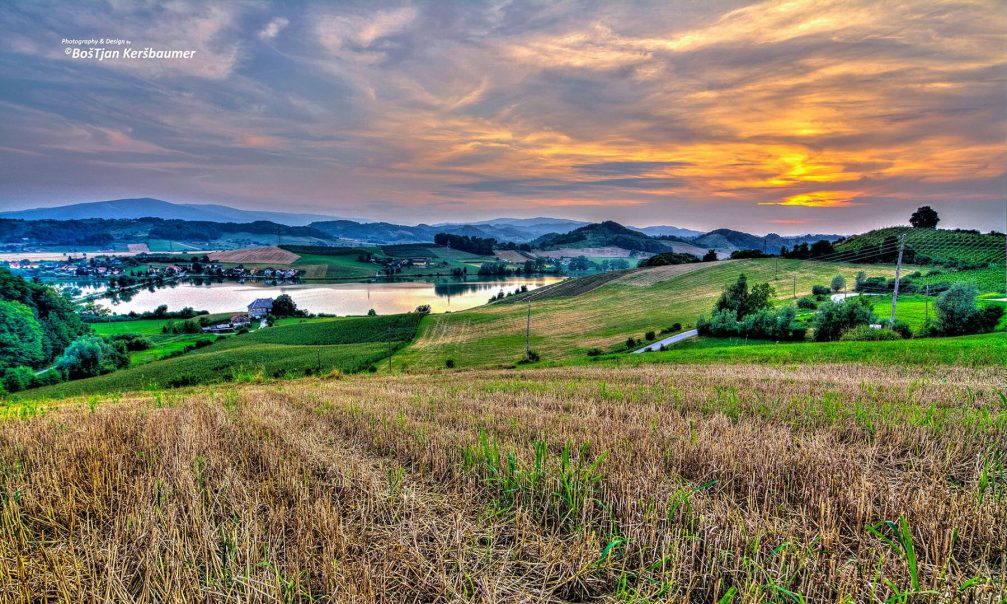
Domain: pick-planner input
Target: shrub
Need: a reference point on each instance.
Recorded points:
(765, 324)
(834, 318)
(820, 290)
(807, 303)
(21, 336)
(594, 352)
(959, 314)
(450, 363)
(649, 336)
(630, 342)
(88, 356)
(865, 333)
(838, 283)
(531, 357)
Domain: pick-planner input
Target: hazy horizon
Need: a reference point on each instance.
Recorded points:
(789, 117)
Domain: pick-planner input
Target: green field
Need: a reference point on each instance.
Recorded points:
(973, 351)
(569, 322)
(343, 263)
(293, 349)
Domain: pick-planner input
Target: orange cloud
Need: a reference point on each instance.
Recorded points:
(818, 199)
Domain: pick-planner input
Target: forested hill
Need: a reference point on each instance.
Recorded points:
(101, 231)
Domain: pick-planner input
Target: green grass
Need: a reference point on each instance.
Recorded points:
(568, 326)
(141, 327)
(978, 350)
(293, 349)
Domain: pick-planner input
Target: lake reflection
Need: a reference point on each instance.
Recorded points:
(331, 298)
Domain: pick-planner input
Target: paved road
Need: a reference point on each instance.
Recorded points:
(668, 341)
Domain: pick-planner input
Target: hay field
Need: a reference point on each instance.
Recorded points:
(658, 483)
(256, 255)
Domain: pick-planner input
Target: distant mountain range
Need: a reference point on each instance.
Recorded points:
(541, 231)
(146, 207)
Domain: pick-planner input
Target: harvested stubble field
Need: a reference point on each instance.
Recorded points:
(657, 483)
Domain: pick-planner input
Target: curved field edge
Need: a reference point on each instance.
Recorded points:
(674, 482)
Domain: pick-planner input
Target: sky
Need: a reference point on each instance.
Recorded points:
(791, 117)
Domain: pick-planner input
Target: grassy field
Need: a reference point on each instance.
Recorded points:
(703, 483)
(967, 351)
(569, 319)
(289, 350)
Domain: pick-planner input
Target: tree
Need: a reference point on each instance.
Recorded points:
(741, 301)
(958, 313)
(838, 283)
(20, 336)
(710, 256)
(924, 218)
(88, 356)
(16, 379)
(284, 306)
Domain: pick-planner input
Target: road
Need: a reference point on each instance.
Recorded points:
(685, 335)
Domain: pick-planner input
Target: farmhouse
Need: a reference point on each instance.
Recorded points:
(260, 308)
(239, 321)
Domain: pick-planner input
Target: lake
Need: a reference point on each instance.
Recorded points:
(331, 298)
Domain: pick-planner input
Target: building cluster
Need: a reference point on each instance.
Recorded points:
(258, 309)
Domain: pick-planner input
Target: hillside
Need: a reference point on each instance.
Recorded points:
(565, 327)
(295, 348)
(727, 240)
(603, 234)
(952, 248)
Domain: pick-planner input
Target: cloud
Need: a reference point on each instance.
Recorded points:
(759, 112)
(273, 28)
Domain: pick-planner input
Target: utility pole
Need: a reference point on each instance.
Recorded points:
(898, 270)
(926, 306)
(795, 286)
(527, 334)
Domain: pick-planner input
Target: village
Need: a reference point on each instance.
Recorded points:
(126, 271)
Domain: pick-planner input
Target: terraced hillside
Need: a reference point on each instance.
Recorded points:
(659, 483)
(603, 312)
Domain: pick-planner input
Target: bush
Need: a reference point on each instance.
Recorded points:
(133, 342)
(834, 318)
(807, 303)
(649, 336)
(89, 356)
(959, 314)
(450, 363)
(594, 352)
(866, 333)
(630, 342)
(820, 290)
(838, 283)
(765, 324)
(531, 357)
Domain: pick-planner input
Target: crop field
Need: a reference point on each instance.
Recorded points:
(706, 483)
(568, 326)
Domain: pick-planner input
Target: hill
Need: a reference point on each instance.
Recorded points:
(727, 240)
(146, 207)
(160, 234)
(963, 249)
(667, 231)
(603, 234)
